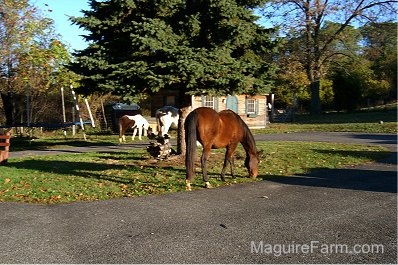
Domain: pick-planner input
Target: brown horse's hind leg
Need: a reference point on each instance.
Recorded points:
(122, 131)
(228, 158)
(205, 156)
(188, 179)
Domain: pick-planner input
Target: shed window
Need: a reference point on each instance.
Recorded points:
(209, 102)
(251, 106)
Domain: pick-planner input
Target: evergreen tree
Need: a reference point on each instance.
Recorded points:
(194, 46)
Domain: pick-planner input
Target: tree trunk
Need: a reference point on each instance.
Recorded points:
(7, 99)
(314, 76)
(185, 109)
(315, 97)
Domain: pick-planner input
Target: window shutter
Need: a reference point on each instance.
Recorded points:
(257, 107)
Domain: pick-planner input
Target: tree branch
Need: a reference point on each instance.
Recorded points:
(357, 12)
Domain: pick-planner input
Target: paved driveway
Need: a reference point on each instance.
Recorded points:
(333, 216)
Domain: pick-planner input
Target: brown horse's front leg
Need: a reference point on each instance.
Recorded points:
(203, 160)
(224, 169)
(228, 158)
(232, 163)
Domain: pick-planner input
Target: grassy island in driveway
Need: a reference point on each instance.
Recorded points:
(127, 173)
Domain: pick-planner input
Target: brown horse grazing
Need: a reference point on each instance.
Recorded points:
(218, 130)
(137, 122)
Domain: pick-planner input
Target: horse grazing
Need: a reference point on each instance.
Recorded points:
(217, 130)
(137, 123)
(166, 117)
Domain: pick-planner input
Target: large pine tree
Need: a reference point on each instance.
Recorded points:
(203, 46)
(196, 47)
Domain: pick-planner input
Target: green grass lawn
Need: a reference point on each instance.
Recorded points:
(101, 176)
(379, 121)
(363, 121)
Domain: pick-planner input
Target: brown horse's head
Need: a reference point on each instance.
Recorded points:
(251, 163)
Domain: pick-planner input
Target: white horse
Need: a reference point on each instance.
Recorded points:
(137, 123)
(166, 117)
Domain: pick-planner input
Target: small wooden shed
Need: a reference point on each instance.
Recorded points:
(252, 109)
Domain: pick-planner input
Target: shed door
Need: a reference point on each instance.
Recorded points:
(232, 103)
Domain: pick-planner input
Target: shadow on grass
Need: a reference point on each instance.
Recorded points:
(104, 169)
(356, 179)
(352, 179)
(27, 143)
(377, 138)
(73, 169)
(380, 156)
(377, 179)
(387, 115)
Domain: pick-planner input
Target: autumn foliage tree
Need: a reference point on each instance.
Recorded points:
(308, 19)
(381, 49)
(31, 62)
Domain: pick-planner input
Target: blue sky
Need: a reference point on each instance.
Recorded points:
(59, 11)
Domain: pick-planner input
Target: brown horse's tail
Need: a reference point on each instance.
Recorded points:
(190, 141)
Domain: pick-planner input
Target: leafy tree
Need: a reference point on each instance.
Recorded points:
(380, 45)
(308, 18)
(348, 85)
(354, 82)
(31, 58)
(291, 81)
(367, 75)
(194, 46)
(292, 76)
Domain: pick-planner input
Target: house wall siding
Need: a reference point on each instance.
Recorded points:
(259, 120)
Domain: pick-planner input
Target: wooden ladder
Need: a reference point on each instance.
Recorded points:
(4, 143)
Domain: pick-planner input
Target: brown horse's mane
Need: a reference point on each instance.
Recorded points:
(248, 142)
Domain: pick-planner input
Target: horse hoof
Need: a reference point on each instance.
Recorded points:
(208, 185)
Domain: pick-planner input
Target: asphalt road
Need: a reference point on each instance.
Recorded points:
(324, 217)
